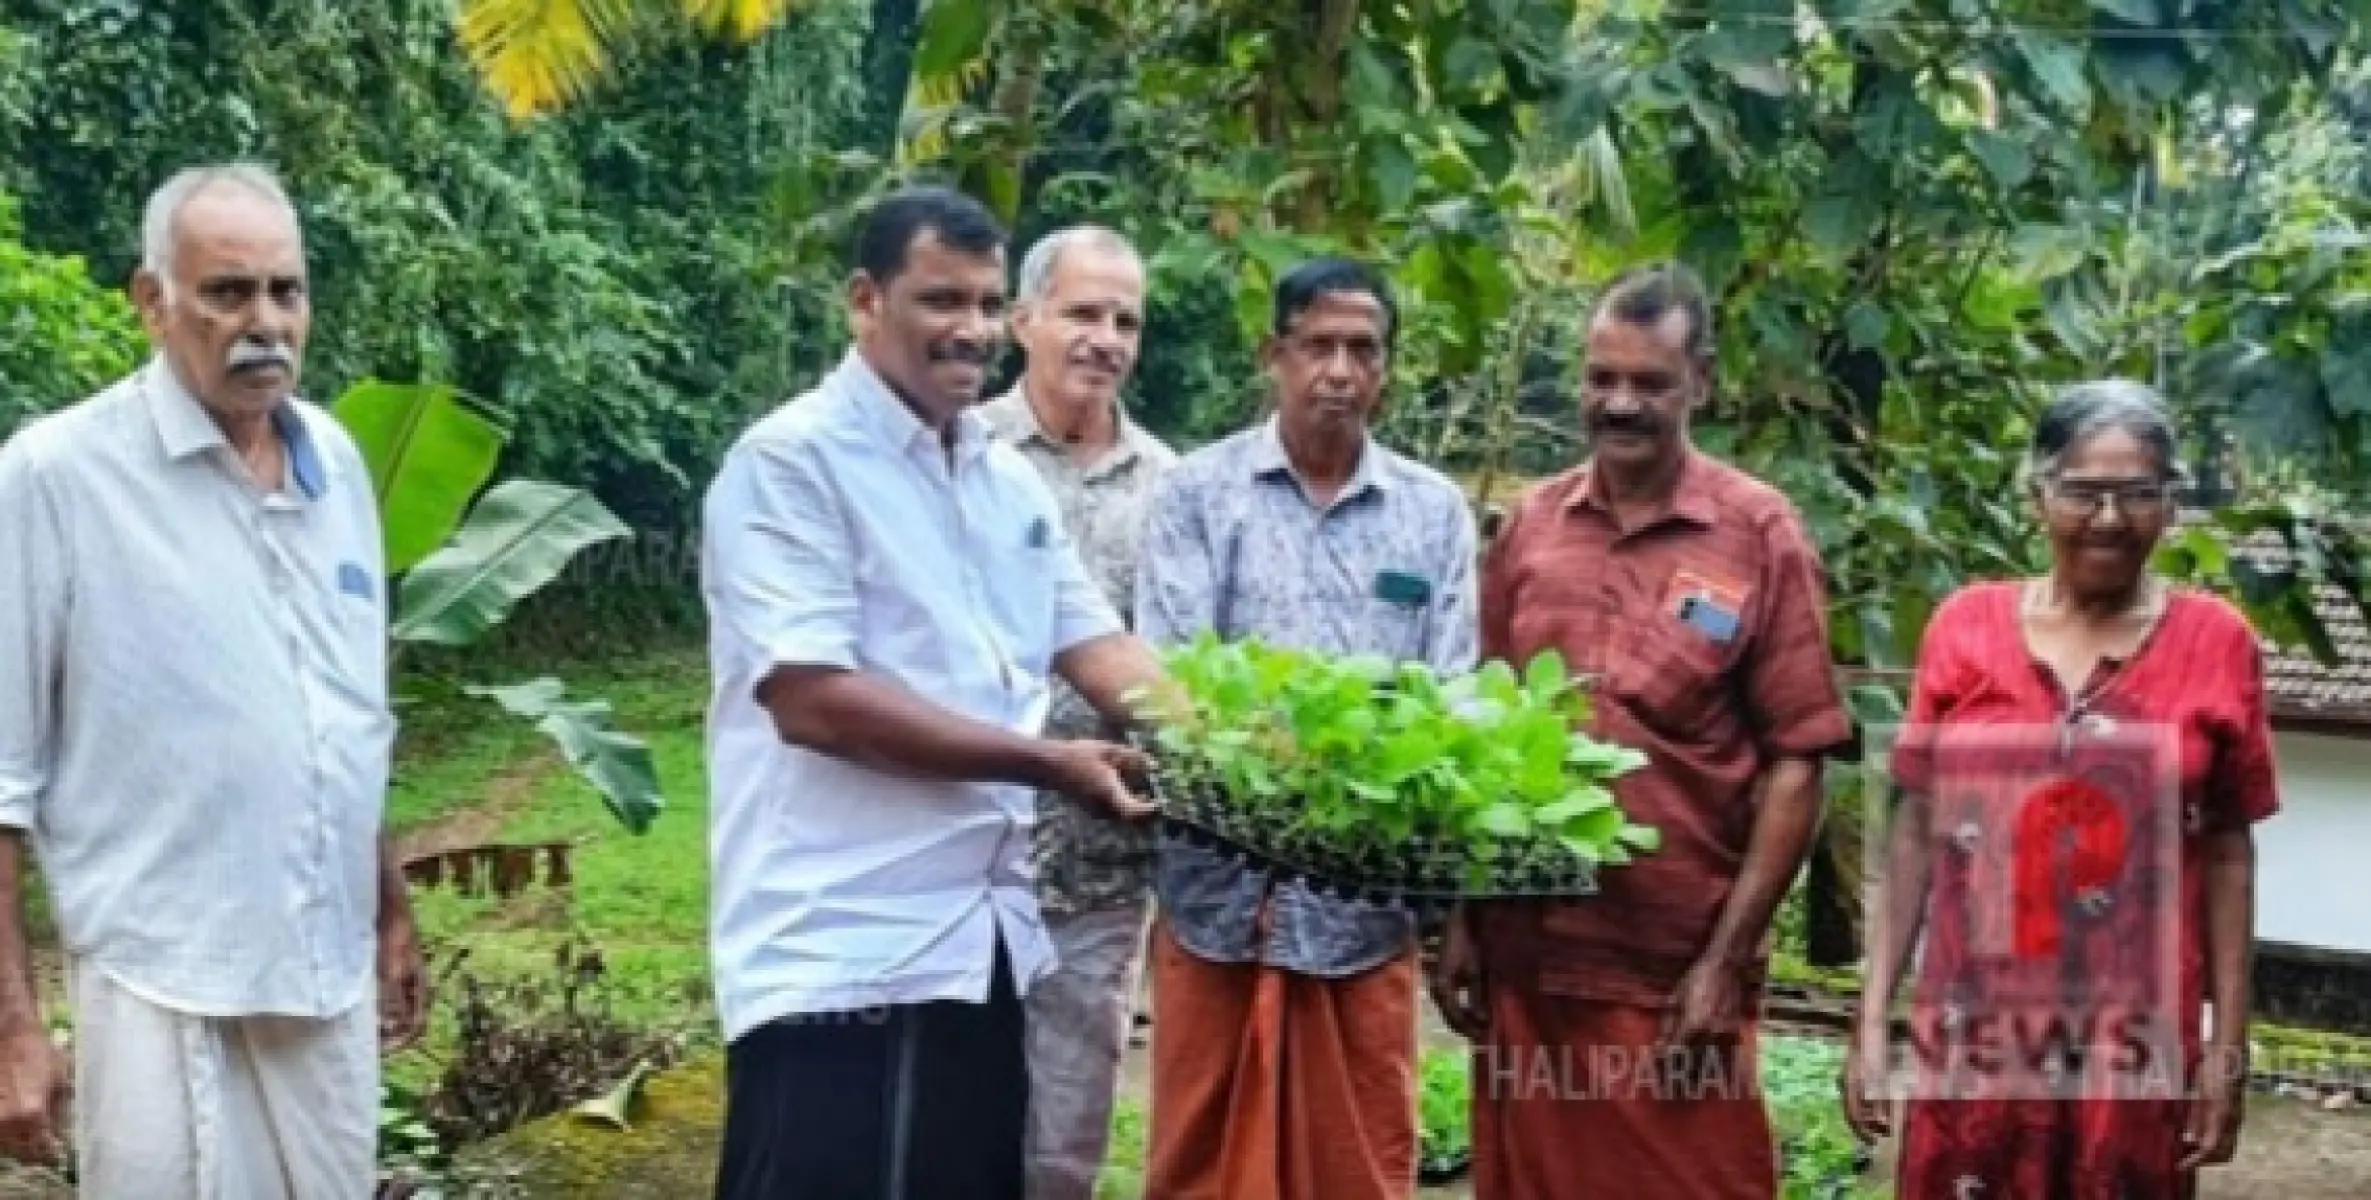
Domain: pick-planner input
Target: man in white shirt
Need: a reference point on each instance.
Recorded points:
(890, 592)
(194, 740)
(1079, 316)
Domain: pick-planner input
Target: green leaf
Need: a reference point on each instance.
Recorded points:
(1646, 839)
(1373, 87)
(1504, 820)
(2007, 159)
(2346, 368)
(1544, 676)
(428, 455)
(2058, 64)
(1866, 324)
(1717, 248)
(618, 765)
(1845, 216)
(1888, 122)
(1581, 801)
(954, 32)
(520, 537)
(2131, 12)
(1469, 63)
(2047, 252)
(1767, 78)
(1393, 171)
(2142, 75)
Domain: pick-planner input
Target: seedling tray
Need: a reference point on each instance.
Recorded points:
(1421, 873)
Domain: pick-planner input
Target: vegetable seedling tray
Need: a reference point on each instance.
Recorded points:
(1421, 873)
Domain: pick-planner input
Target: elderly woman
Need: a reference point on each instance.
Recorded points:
(2083, 759)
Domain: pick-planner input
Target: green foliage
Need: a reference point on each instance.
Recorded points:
(1821, 1158)
(465, 565)
(408, 1148)
(1368, 755)
(608, 282)
(62, 336)
(1444, 1110)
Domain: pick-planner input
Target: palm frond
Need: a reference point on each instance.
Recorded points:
(1609, 182)
(743, 19)
(537, 54)
(932, 102)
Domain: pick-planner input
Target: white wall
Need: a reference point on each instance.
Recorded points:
(2313, 860)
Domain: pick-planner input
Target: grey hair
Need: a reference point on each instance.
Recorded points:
(1037, 266)
(164, 205)
(2086, 410)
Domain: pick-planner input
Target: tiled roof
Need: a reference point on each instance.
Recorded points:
(2302, 687)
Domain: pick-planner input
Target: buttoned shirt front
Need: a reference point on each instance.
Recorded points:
(194, 726)
(1087, 861)
(1705, 629)
(841, 532)
(1234, 544)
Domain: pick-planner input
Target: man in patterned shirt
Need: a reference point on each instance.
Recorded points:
(1078, 316)
(1284, 1033)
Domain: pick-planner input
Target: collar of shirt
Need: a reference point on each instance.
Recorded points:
(1012, 416)
(1267, 460)
(889, 419)
(186, 431)
(1691, 493)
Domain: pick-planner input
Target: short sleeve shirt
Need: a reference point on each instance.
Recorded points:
(1236, 546)
(1086, 860)
(843, 532)
(1703, 632)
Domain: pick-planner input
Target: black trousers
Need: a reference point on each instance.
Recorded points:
(909, 1102)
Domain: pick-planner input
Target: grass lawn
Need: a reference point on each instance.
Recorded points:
(468, 772)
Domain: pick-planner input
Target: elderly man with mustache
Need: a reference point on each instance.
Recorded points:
(1616, 1034)
(1079, 317)
(194, 740)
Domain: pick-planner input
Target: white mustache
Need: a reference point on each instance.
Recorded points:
(255, 354)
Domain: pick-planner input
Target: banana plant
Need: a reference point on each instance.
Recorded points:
(462, 555)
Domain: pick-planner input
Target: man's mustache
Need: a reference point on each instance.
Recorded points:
(963, 352)
(249, 356)
(1104, 360)
(1624, 423)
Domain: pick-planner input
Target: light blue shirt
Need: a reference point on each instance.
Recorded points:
(839, 533)
(1235, 545)
(194, 725)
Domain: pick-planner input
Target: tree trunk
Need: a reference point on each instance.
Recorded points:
(1336, 22)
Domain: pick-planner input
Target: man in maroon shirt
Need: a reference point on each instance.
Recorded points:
(1615, 1035)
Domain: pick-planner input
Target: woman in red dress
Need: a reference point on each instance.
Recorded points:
(2081, 765)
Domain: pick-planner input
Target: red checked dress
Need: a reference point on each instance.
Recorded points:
(2199, 677)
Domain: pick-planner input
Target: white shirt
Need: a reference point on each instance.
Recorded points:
(836, 534)
(194, 722)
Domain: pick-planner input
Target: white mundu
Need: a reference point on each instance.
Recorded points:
(194, 734)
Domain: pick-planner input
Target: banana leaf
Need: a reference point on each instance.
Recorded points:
(428, 456)
(618, 765)
(519, 538)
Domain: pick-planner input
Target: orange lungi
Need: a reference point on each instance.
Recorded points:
(1575, 1100)
(1271, 1085)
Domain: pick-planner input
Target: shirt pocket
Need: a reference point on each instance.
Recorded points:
(1674, 680)
(1393, 628)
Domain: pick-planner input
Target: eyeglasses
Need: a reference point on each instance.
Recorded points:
(2086, 497)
